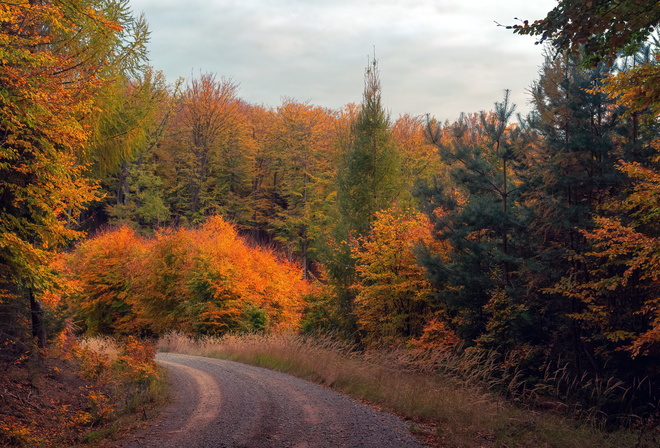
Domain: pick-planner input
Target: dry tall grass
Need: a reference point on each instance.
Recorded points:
(103, 346)
(442, 408)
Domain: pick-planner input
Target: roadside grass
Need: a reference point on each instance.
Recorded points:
(444, 409)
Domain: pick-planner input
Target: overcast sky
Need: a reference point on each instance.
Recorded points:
(440, 57)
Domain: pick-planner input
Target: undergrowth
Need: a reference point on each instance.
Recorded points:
(450, 400)
(78, 392)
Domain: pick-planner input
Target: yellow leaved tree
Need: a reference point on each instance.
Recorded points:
(394, 300)
(53, 58)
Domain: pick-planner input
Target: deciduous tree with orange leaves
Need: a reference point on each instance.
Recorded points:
(101, 282)
(53, 58)
(204, 280)
(394, 300)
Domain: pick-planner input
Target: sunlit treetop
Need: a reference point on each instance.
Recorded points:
(602, 29)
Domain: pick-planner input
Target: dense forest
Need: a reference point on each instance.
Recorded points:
(130, 205)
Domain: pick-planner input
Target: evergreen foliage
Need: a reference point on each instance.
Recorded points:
(538, 240)
(475, 209)
(369, 178)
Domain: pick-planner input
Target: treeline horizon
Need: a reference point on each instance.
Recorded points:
(535, 240)
(479, 232)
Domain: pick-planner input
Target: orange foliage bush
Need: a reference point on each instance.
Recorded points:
(394, 299)
(204, 280)
(99, 276)
(81, 387)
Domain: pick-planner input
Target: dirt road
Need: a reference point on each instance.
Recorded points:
(230, 405)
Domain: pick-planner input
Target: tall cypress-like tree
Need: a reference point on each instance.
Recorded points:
(370, 176)
(368, 180)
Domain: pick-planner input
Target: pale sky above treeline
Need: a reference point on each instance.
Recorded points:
(438, 57)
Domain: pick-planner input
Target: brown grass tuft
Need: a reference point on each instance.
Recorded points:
(448, 409)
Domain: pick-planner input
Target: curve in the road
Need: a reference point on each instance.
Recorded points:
(224, 404)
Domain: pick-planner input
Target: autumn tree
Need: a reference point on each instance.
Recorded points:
(204, 280)
(100, 274)
(419, 157)
(616, 309)
(225, 163)
(394, 300)
(604, 30)
(208, 110)
(55, 56)
(618, 313)
(244, 288)
(601, 29)
(621, 299)
(125, 139)
(161, 290)
(237, 168)
(266, 174)
(304, 141)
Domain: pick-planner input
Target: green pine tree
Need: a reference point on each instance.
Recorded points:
(369, 180)
(474, 207)
(370, 176)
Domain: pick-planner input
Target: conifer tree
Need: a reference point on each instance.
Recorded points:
(474, 207)
(55, 57)
(369, 178)
(572, 173)
(135, 112)
(616, 300)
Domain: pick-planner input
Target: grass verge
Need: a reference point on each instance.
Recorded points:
(443, 410)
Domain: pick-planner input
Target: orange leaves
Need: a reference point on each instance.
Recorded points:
(49, 82)
(101, 270)
(51, 55)
(393, 296)
(136, 360)
(391, 242)
(637, 88)
(437, 334)
(238, 277)
(626, 251)
(201, 280)
(420, 156)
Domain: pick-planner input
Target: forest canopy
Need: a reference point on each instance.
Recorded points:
(533, 237)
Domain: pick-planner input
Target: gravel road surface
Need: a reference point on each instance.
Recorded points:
(223, 404)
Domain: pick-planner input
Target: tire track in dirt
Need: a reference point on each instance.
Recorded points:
(223, 404)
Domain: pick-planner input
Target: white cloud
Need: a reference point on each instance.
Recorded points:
(436, 56)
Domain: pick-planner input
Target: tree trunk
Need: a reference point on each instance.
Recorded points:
(37, 313)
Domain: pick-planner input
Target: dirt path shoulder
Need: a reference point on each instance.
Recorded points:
(219, 403)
